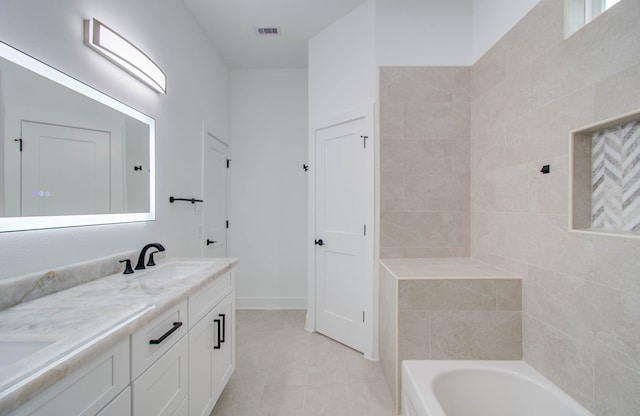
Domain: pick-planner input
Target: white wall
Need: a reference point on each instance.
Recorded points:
(342, 72)
(198, 88)
(423, 32)
(492, 19)
(269, 186)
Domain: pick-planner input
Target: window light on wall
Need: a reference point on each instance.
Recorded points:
(580, 12)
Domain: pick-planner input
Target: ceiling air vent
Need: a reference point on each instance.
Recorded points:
(268, 31)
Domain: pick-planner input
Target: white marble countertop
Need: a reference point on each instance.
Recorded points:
(86, 320)
(443, 268)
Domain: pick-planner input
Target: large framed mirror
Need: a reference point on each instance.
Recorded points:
(70, 155)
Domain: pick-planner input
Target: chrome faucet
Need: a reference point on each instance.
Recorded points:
(143, 253)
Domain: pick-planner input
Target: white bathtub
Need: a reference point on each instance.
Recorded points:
(481, 388)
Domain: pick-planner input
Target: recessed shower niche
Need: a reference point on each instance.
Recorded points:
(605, 177)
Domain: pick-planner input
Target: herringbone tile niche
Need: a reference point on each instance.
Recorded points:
(605, 177)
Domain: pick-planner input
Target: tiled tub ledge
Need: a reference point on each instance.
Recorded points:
(83, 321)
(446, 309)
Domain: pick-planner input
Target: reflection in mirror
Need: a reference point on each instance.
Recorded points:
(70, 155)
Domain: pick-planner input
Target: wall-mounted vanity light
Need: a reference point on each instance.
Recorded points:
(124, 54)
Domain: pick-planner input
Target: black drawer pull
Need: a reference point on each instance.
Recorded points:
(176, 325)
(224, 322)
(217, 347)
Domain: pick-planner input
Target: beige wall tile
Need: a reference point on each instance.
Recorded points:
(617, 263)
(489, 70)
(417, 84)
(549, 193)
(552, 247)
(501, 189)
(391, 120)
(392, 193)
(461, 163)
(602, 317)
(437, 193)
(391, 252)
(414, 335)
(598, 50)
(416, 157)
(388, 329)
(544, 133)
(425, 252)
(517, 244)
(616, 388)
(426, 120)
(540, 29)
(508, 99)
(476, 335)
(509, 295)
(415, 229)
(489, 148)
(567, 363)
(488, 231)
(618, 94)
(447, 294)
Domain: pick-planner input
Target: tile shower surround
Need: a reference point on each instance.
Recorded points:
(581, 293)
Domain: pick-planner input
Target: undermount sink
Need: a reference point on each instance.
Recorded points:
(174, 270)
(13, 351)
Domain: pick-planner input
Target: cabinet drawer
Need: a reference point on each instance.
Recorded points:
(161, 390)
(86, 390)
(157, 337)
(206, 299)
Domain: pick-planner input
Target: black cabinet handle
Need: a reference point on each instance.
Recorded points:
(217, 347)
(319, 242)
(224, 322)
(210, 241)
(175, 327)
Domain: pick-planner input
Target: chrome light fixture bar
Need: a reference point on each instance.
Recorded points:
(123, 53)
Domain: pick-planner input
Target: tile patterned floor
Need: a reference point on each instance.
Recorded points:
(282, 370)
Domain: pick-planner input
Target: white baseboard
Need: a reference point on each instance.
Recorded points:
(271, 303)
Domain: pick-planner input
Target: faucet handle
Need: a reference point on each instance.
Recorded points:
(127, 267)
(151, 262)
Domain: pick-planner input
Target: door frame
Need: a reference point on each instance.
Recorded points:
(367, 113)
(208, 130)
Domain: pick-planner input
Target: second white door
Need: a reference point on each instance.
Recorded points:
(342, 206)
(215, 182)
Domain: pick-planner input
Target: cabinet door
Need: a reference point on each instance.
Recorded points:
(211, 357)
(161, 389)
(201, 382)
(224, 357)
(86, 390)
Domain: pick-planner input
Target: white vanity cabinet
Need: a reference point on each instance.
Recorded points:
(174, 364)
(87, 390)
(159, 364)
(211, 344)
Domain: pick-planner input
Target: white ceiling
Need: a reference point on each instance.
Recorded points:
(230, 24)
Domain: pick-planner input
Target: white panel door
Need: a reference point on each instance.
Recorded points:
(342, 205)
(215, 192)
(65, 170)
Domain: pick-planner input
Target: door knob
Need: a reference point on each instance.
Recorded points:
(319, 242)
(210, 242)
